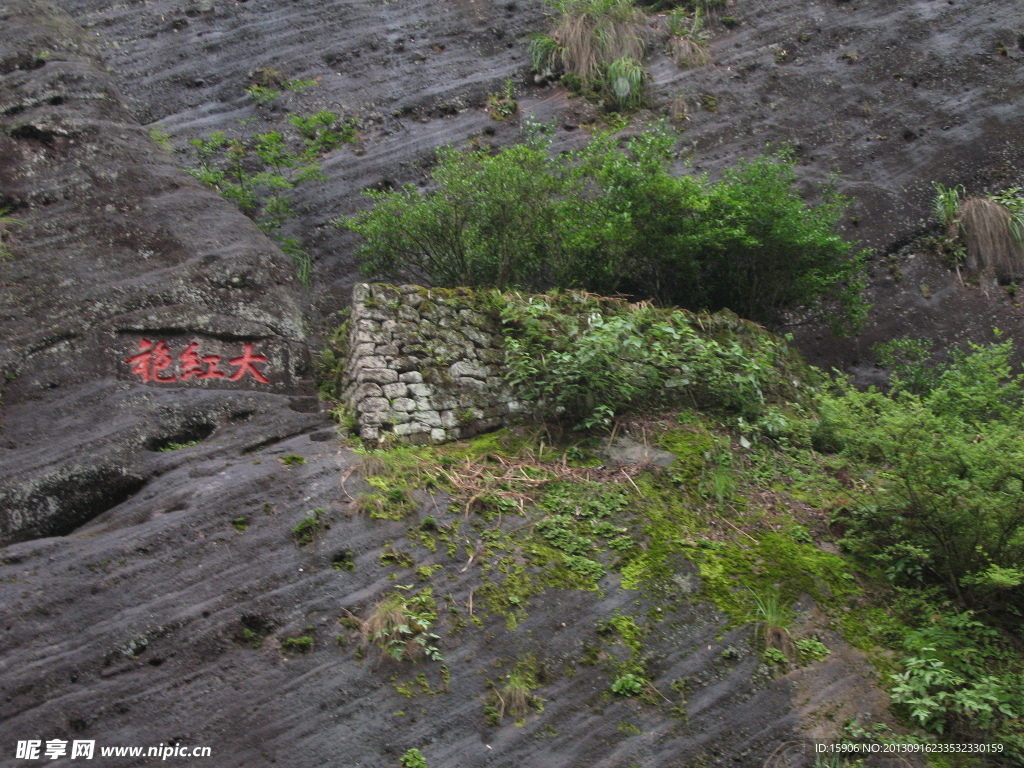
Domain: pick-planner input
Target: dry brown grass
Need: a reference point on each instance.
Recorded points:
(678, 109)
(392, 626)
(689, 53)
(988, 235)
(591, 34)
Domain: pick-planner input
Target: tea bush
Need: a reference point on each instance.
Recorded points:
(613, 219)
(949, 503)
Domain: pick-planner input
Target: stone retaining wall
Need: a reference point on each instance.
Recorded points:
(424, 364)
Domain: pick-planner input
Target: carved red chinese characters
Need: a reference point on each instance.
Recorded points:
(154, 362)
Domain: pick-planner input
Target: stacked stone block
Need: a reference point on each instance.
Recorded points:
(424, 365)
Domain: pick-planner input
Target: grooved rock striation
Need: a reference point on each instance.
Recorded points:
(138, 306)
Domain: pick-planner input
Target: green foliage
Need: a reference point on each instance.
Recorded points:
(689, 38)
(629, 684)
(412, 758)
(388, 501)
(301, 644)
(961, 677)
(624, 80)
(162, 138)
(949, 501)
(264, 94)
(515, 696)
(250, 637)
(584, 362)
(614, 220)
(910, 364)
(400, 625)
(598, 42)
(947, 206)
(1013, 201)
(257, 172)
(811, 649)
(292, 460)
(502, 106)
(308, 528)
(774, 571)
(172, 446)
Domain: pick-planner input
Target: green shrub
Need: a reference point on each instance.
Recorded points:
(583, 361)
(949, 503)
(962, 678)
(614, 220)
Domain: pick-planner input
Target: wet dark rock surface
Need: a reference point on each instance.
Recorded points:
(125, 582)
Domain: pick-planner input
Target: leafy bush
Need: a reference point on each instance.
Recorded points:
(949, 504)
(962, 678)
(614, 220)
(583, 361)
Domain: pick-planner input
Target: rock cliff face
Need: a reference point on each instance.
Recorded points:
(141, 312)
(126, 275)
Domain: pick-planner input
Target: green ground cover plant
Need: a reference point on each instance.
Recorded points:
(257, 172)
(412, 758)
(916, 490)
(584, 362)
(613, 219)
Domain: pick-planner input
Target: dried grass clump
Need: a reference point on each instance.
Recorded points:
(400, 626)
(386, 618)
(688, 39)
(678, 109)
(594, 33)
(690, 53)
(589, 39)
(991, 237)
